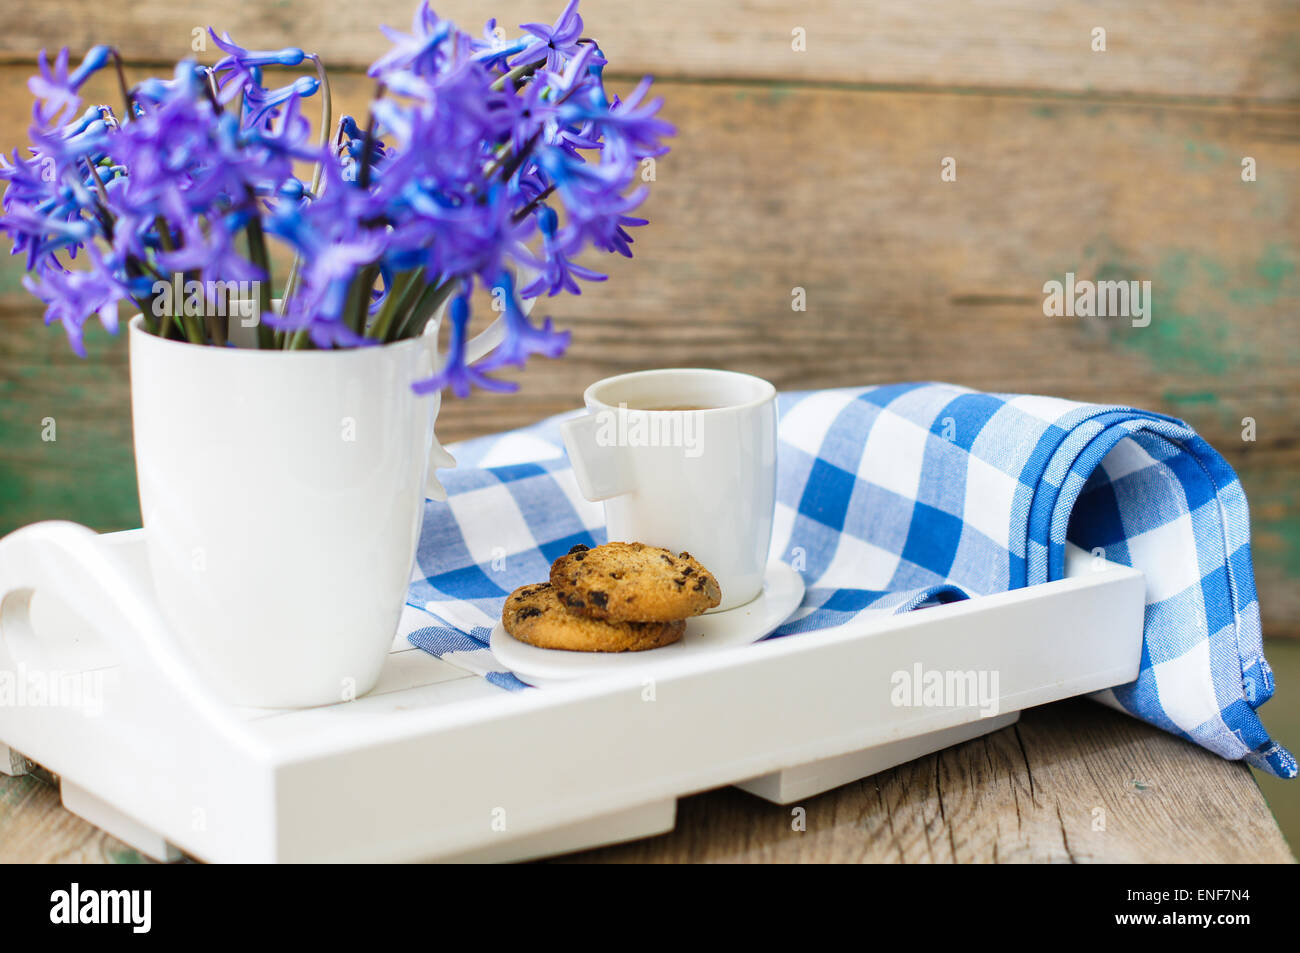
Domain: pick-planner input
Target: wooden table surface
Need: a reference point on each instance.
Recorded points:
(1073, 782)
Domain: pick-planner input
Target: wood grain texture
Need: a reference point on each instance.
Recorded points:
(907, 277)
(1033, 793)
(35, 829)
(1071, 783)
(1215, 49)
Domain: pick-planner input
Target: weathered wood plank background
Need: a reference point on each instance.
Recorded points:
(1191, 48)
(820, 170)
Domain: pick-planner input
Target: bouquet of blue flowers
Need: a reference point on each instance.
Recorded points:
(480, 159)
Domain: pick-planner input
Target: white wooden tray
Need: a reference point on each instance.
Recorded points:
(436, 763)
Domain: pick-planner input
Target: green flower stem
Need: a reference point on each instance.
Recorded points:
(217, 325)
(326, 120)
(150, 322)
(188, 324)
(522, 71)
(502, 156)
(528, 209)
(193, 330)
(517, 160)
(100, 190)
(358, 304)
(399, 297)
(258, 256)
(430, 301)
(368, 142)
(122, 86)
(144, 267)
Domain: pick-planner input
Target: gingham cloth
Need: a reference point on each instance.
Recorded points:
(897, 497)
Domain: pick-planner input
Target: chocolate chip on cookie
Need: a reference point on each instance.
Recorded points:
(626, 582)
(536, 615)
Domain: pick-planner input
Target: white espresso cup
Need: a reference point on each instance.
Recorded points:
(684, 459)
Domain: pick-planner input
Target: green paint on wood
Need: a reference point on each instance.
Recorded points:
(14, 791)
(87, 472)
(1204, 397)
(124, 855)
(1284, 533)
(11, 276)
(1200, 154)
(1186, 329)
(1275, 272)
(1274, 515)
(1200, 305)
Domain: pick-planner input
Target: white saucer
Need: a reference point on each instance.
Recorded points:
(781, 595)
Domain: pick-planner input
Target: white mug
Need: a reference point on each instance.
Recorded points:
(282, 494)
(701, 481)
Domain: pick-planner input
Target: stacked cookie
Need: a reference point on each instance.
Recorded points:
(620, 597)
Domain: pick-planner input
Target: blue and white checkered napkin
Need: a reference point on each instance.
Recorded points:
(896, 497)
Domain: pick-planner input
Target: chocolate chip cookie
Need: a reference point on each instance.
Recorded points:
(626, 582)
(535, 614)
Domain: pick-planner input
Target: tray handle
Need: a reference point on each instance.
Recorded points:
(71, 563)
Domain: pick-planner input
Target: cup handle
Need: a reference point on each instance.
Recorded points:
(439, 458)
(480, 344)
(476, 348)
(601, 471)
